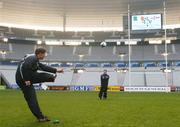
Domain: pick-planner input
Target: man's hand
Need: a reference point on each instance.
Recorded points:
(28, 83)
(60, 71)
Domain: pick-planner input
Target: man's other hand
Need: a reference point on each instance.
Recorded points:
(28, 83)
(60, 71)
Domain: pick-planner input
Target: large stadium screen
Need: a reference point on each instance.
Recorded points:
(146, 22)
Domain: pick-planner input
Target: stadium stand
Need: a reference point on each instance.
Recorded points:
(147, 63)
(71, 53)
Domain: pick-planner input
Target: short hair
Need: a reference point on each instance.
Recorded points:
(105, 70)
(40, 50)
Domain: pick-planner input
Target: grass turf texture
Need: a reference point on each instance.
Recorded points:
(84, 109)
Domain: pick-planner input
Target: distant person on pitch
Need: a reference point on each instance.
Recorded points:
(104, 85)
(27, 75)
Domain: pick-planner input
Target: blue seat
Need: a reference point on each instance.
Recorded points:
(54, 65)
(135, 64)
(149, 64)
(65, 65)
(106, 65)
(79, 65)
(120, 65)
(11, 63)
(177, 63)
(92, 65)
(163, 64)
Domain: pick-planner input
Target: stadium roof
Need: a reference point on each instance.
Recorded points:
(80, 15)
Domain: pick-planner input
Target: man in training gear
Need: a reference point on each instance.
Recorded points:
(27, 75)
(104, 85)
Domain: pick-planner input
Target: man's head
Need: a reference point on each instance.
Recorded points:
(105, 71)
(40, 53)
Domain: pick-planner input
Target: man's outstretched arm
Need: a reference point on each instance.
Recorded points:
(50, 69)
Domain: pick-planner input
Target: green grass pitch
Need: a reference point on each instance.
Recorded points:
(84, 109)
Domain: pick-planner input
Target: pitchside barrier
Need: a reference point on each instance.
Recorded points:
(177, 89)
(81, 88)
(2, 87)
(58, 87)
(110, 88)
(12, 86)
(97, 88)
(147, 89)
(93, 88)
(116, 88)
